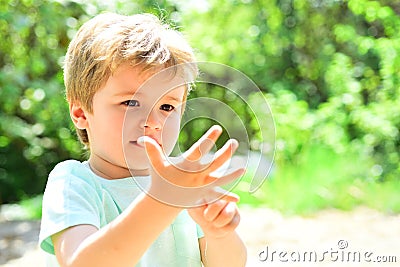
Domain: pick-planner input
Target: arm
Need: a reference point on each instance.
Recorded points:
(124, 241)
(221, 245)
(120, 243)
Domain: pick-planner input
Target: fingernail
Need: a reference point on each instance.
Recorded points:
(235, 143)
(217, 127)
(235, 197)
(140, 140)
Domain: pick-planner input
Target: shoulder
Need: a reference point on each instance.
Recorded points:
(71, 186)
(68, 167)
(72, 170)
(71, 198)
(71, 177)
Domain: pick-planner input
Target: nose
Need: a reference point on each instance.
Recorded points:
(152, 121)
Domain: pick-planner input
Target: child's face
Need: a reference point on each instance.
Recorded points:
(121, 114)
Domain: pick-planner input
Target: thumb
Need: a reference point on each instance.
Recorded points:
(153, 150)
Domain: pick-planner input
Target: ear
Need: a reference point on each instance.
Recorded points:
(78, 115)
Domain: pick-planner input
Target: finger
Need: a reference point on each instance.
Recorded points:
(153, 150)
(204, 144)
(226, 215)
(227, 195)
(218, 193)
(230, 177)
(223, 155)
(234, 222)
(214, 209)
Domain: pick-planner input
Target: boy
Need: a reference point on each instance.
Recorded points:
(94, 213)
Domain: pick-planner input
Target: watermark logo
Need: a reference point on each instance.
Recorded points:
(257, 159)
(339, 254)
(342, 244)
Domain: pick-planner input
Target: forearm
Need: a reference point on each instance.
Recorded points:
(227, 251)
(124, 240)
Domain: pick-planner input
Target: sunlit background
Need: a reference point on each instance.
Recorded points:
(329, 69)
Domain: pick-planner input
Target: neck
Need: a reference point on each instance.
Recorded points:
(110, 171)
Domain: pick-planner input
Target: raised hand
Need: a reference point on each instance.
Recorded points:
(186, 181)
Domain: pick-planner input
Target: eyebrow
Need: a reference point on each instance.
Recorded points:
(127, 93)
(134, 93)
(174, 98)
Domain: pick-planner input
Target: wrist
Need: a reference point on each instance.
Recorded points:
(158, 204)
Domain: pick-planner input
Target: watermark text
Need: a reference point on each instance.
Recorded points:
(340, 253)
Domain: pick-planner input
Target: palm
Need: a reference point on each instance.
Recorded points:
(187, 181)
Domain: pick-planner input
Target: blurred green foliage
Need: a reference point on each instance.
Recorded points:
(34, 128)
(330, 70)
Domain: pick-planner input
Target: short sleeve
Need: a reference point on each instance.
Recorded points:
(200, 232)
(70, 198)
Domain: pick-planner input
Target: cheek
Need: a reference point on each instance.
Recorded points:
(112, 122)
(109, 126)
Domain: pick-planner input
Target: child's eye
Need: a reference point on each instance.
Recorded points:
(131, 103)
(167, 107)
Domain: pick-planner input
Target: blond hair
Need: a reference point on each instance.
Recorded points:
(108, 40)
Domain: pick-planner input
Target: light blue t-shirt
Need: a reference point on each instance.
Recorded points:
(75, 195)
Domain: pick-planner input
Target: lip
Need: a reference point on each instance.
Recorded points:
(136, 143)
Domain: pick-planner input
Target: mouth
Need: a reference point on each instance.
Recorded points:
(136, 143)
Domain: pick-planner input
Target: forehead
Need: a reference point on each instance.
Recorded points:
(130, 80)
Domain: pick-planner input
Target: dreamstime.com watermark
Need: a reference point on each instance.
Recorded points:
(340, 254)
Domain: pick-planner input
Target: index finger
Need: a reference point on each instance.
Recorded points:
(204, 144)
